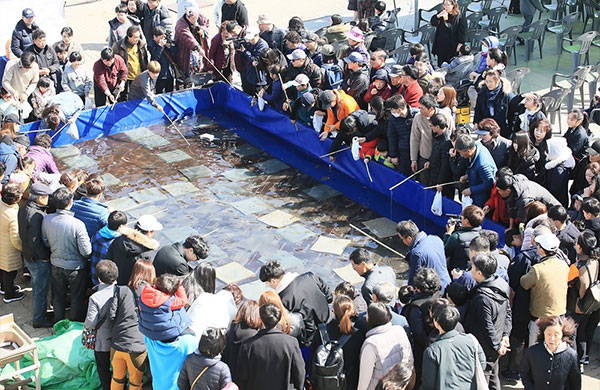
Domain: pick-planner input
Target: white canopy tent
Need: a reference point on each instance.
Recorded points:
(49, 16)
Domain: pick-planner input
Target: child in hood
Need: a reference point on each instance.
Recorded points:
(487, 43)
(104, 237)
(162, 313)
(379, 87)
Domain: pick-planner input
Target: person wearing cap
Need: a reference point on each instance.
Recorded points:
(45, 56)
(234, 10)
(10, 125)
(356, 41)
(156, 14)
(249, 52)
(300, 63)
(313, 50)
(270, 33)
(176, 259)
(579, 172)
(356, 82)
(303, 108)
(21, 76)
(134, 244)
(21, 35)
(409, 87)
(191, 38)
(548, 283)
(301, 85)
(332, 67)
(337, 105)
(35, 253)
(70, 249)
(379, 87)
(395, 75)
(489, 134)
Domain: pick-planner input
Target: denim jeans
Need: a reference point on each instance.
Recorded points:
(40, 281)
(76, 282)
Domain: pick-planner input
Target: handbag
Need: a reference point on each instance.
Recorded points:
(88, 336)
(591, 299)
(482, 383)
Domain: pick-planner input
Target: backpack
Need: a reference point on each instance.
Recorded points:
(333, 75)
(591, 300)
(328, 363)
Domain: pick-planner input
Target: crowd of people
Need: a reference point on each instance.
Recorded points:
(469, 305)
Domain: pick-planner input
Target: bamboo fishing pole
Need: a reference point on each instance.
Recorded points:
(75, 115)
(368, 171)
(407, 178)
(378, 242)
(442, 185)
(337, 151)
(218, 71)
(176, 128)
(287, 99)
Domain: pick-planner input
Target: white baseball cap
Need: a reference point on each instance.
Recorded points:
(149, 223)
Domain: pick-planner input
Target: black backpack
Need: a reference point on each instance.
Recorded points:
(328, 363)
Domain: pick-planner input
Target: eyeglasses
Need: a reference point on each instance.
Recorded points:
(373, 58)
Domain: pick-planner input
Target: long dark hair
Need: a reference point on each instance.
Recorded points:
(201, 280)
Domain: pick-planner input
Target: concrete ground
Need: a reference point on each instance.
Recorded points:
(89, 22)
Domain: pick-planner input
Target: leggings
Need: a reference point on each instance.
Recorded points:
(127, 364)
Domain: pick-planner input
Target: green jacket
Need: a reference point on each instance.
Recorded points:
(449, 362)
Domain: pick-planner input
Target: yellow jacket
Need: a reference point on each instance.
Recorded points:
(10, 242)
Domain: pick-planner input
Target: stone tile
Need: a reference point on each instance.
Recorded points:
(143, 210)
(139, 133)
(153, 141)
(65, 151)
(173, 156)
(330, 245)
(271, 166)
(381, 227)
(216, 255)
(227, 190)
(250, 206)
(348, 274)
(321, 192)
(148, 195)
(286, 259)
(278, 219)
(110, 180)
(124, 203)
(181, 188)
(238, 174)
(247, 150)
(179, 233)
(295, 233)
(79, 162)
(196, 172)
(254, 290)
(233, 273)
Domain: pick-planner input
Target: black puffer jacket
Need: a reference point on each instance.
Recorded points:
(456, 246)
(525, 191)
(520, 265)
(216, 376)
(526, 165)
(30, 218)
(364, 126)
(127, 249)
(540, 370)
(123, 313)
(308, 68)
(236, 335)
(488, 315)
(356, 84)
(568, 238)
(577, 141)
(399, 133)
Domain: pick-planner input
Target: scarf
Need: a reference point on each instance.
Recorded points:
(526, 117)
(491, 99)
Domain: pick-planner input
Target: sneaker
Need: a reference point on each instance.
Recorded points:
(586, 360)
(17, 297)
(512, 375)
(17, 290)
(43, 324)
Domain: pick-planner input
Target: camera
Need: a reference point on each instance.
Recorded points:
(238, 43)
(453, 220)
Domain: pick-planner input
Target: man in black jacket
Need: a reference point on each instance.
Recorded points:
(155, 15)
(519, 191)
(175, 259)
(35, 253)
(357, 81)
(21, 36)
(271, 359)
(441, 135)
(457, 240)
(271, 34)
(306, 294)
(488, 316)
(399, 127)
(567, 232)
(234, 10)
(134, 244)
(45, 56)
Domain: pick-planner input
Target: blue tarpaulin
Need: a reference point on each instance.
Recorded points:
(274, 133)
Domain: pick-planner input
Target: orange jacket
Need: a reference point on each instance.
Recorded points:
(345, 105)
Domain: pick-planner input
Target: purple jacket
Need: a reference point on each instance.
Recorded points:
(44, 162)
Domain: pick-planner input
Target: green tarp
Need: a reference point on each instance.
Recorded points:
(65, 363)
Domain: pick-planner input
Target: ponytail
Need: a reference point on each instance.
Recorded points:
(343, 309)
